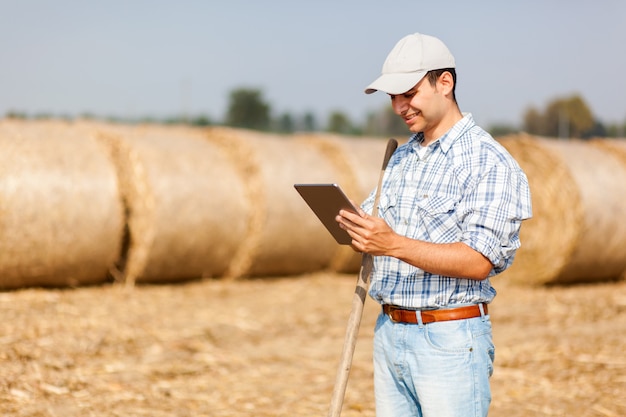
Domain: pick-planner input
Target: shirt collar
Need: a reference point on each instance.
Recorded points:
(448, 138)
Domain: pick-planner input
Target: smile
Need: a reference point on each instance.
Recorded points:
(411, 116)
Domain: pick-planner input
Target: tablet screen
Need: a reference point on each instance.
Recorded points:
(326, 200)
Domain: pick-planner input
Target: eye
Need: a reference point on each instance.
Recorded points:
(407, 96)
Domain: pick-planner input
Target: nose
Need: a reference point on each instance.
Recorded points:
(399, 105)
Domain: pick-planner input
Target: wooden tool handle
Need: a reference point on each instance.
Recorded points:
(358, 302)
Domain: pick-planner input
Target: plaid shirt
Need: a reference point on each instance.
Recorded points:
(465, 188)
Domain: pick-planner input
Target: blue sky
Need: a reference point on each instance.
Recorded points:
(160, 58)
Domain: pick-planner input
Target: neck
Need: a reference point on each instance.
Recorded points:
(445, 124)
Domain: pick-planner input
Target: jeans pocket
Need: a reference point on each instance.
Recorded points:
(483, 343)
(449, 336)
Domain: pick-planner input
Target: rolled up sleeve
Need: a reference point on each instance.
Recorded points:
(492, 213)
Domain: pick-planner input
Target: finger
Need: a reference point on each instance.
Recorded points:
(354, 218)
(344, 222)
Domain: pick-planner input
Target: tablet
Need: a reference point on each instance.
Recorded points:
(326, 200)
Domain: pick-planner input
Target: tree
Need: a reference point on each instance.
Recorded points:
(247, 109)
(563, 117)
(533, 122)
(616, 130)
(285, 123)
(309, 122)
(200, 120)
(386, 123)
(569, 117)
(14, 114)
(502, 129)
(338, 122)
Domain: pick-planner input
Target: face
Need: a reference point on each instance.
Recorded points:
(422, 108)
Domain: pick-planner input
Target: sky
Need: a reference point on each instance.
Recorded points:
(155, 58)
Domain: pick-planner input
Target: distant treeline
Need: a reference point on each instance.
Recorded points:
(568, 117)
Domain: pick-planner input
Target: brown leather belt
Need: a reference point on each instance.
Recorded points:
(398, 315)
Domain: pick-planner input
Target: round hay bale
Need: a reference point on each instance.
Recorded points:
(61, 219)
(616, 147)
(548, 239)
(284, 236)
(576, 234)
(185, 204)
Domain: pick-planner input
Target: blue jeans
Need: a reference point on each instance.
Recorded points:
(440, 369)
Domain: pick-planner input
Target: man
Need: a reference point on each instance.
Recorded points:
(451, 206)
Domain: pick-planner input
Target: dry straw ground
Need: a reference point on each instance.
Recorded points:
(270, 348)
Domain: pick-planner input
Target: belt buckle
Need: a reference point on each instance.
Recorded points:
(390, 314)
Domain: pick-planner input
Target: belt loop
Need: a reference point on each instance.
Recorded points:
(418, 314)
(481, 307)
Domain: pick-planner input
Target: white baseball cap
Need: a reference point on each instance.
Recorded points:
(408, 62)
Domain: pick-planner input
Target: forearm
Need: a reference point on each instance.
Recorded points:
(372, 235)
(449, 259)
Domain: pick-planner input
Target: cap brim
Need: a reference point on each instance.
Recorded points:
(397, 83)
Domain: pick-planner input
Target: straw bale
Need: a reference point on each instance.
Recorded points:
(284, 236)
(617, 148)
(185, 204)
(576, 234)
(601, 180)
(61, 219)
(548, 238)
(245, 166)
(138, 202)
(359, 161)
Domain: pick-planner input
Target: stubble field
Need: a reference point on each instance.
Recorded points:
(270, 347)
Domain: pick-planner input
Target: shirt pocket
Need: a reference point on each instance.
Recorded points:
(439, 219)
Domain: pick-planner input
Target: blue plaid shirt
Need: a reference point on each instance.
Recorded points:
(466, 188)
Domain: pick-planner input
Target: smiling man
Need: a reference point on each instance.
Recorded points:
(451, 204)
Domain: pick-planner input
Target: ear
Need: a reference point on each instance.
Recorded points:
(445, 83)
